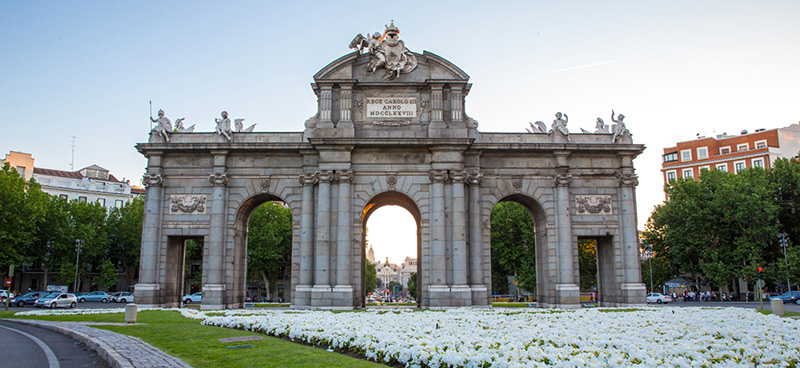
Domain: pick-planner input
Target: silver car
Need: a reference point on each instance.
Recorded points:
(54, 300)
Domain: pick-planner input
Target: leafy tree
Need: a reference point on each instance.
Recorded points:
(193, 252)
(587, 263)
(269, 243)
(108, 274)
(392, 285)
(86, 225)
(51, 234)
(412, 285)
(718, 228)
(513, 247)
(370, 277)
(18, 216)
(124, 228)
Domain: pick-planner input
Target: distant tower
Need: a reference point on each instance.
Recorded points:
(371, 254)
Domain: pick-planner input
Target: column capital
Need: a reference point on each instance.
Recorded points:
(458, 176)
(324, 176)
(628, 180)
(437, 176)
(308, 179)
(474, 178)
(344, 176)
(152, 180)
(218, 179)
(562, 179)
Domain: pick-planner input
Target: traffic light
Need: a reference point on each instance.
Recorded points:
(759, 271)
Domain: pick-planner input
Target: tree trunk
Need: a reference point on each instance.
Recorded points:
(266, 284)
(45, 276)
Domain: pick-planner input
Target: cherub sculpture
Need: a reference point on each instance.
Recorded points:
(224, 125)
(619, 128)
(164, 126)
(560, 125)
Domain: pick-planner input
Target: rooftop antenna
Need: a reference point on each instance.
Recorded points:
(72, 164)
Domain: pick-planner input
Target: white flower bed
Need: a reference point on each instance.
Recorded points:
(650, 337)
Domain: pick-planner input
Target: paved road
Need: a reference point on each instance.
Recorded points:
(33, 347)
(750, 305)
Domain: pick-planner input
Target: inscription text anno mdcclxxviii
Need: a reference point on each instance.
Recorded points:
(392, 107)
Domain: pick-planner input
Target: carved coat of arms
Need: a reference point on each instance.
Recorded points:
(387, 52)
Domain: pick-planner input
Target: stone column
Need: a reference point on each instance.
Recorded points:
(325, 107)
(479, 289)
(214, 270)
(633, 290)
(345, 103)
(439, 291)
(148, 289)
(302, 295)
(567, 291)
(460, 291)
(437, 126)
(322, 248)
(344, 288)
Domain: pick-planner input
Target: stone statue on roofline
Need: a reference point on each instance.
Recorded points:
(560, 125)
(163, 125)
(179, 128)
(619, 129)
(224, 126)
(601, 127)
(387, 51)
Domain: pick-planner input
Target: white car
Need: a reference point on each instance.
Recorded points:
(658, 298)
(194, 298)
(54, 300)
(122, 297)
(4, 294)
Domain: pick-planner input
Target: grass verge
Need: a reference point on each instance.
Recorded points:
(785, 313)
(198, 345)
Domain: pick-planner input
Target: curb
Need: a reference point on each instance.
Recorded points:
(103, 350)
(115, 357)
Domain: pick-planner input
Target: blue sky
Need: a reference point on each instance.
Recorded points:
(674, 68)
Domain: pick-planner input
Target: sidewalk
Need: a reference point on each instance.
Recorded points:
(118, 350)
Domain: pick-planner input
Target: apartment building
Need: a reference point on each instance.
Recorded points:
(731, 153)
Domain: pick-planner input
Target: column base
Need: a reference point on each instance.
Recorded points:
(213, 296)
(147, 294)
(633, 294)
(460, 295)
(480, 296)
(320, 296)
(301, 298)
(567, 296)
(342, 296)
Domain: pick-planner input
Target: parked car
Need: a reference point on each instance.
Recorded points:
(194, 298)
(4, 294)
(28, 299)
(95, 296)
(59, 299)
(122, 297)
(789, 297)
(658, 298)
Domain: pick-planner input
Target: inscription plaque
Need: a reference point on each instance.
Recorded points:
(392, 107)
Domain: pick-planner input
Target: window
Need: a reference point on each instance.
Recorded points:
(704, 168)
(64, 196)
(82, 199)
(722, 167)
(687, 174)
(725, 150)
(686, 155)
(738, 166)
(118, 203)
(670, 176)
(672, 156)
(741, 147)
(702, 153)
(102, 201)
(758, 162)
(761, 144)
(21, 171)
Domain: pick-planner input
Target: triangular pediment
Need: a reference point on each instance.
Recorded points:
(353, 67)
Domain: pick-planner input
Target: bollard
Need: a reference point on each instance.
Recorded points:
(130, 313)
(777, 306)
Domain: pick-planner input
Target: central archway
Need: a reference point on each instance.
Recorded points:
(390, 199)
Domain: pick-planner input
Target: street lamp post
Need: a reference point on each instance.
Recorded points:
(650, 262)
(783, 239)
(77, 258)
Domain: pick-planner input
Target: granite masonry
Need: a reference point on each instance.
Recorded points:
(390, 133)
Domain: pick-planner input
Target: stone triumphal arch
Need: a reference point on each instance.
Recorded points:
(391, 128)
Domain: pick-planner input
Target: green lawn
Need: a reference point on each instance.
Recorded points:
(198, 346)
